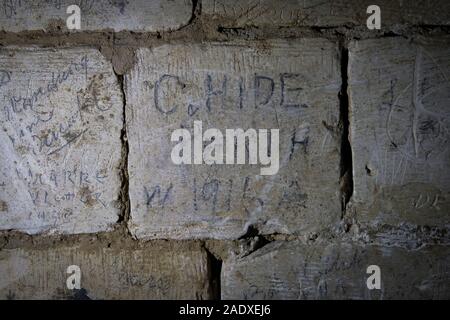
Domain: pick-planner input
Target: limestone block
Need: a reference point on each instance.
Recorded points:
(291, 86)
(60, 120)
(156, 272)
(133, 15)
(326, 13)
(292, 270)
(399, 130)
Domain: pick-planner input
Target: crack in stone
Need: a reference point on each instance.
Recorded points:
(346, 163)
(214, 273)
(124, 188)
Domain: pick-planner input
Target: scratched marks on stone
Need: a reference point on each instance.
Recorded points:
(117, 15)
(288, 86)
(323, 13)
(418, 120)
(292, 270)
(400, 129)
(159, 271)
(60, 122)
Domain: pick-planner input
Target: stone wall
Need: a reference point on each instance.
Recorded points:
(86, 176)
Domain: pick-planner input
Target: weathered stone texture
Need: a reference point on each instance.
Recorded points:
(291, 270)
(326, 13)
(399, 130)
(133, 15)
(156, 272)
(291, 86)
(60, 120)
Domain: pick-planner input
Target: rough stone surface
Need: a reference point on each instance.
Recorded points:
(133, 15)
(86, 176)
(159, 272)
(399, 130)
(291, 270)
(60, 123)
(222, 85)
(327, 13)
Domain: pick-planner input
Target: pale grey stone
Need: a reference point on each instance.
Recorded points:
(168, 89)
(399, 130)
(327, 13)
(60, 120)
(133, 15)
(292, 270)
(157, 272)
